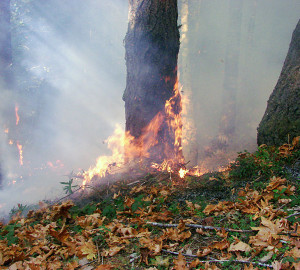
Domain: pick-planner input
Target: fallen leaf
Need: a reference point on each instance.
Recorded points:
(180, 263)
(239, 246)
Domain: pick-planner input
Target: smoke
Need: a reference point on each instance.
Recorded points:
(240, 42)
(70, 76)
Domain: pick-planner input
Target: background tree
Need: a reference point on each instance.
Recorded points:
(6, 78)
(5, 44)
(281, 120)
(152, 46)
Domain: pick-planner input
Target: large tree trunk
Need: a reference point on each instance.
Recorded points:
(152, 46)
(281, 120)
(5, 44)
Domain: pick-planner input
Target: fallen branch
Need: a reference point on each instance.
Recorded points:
(218, 261)
(293, 215)
(197, 226)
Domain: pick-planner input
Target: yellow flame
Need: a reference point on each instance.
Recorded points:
(20, 148)
(182, 172)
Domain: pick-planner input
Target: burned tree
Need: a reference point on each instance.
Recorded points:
(152, 46)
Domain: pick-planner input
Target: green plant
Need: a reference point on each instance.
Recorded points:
(68, 187)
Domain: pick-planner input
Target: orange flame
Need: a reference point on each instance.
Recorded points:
(17, 114)
(10, 142)
(139, 148)
(6, 131)
(20, 148)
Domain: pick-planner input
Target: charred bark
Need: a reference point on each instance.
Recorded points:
(152, 46)
(5, 44)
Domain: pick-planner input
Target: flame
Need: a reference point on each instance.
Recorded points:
(17, 114)
(182, 172)
(139, 148)
(20, 148)
(11, 142)
(6, 130)
(116, 144)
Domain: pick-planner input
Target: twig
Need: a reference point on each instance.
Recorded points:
(219, 261)
(197, 226)
(293, 215)
(59, 200)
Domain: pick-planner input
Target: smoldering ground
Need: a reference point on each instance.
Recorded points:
(70, 76)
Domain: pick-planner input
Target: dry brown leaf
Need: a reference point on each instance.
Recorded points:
(180, 263)
(89, 249)
(194, 264)
(205, 251)
(104, 267)
(239, 246)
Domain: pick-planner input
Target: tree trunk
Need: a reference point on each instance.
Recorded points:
(5, 44)
(281, 121)
(152, 46)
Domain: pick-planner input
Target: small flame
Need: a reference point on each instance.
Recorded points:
(17, 114)
(20, 148)
(6, 130)
(182, 172)
(11, 142)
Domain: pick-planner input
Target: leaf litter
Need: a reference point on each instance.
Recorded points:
(145, 226)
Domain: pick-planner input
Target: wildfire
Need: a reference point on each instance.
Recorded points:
(20, 148)
(17, 114)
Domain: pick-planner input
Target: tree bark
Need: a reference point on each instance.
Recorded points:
(5, 44)
(152, 46)
(281, 121)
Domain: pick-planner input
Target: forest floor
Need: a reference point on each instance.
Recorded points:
(246, 217)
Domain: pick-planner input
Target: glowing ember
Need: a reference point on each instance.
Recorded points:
(20, 148)
(17, 114)
(182, 172)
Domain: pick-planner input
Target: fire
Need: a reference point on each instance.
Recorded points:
(11, 142)
(182, 172)
(6, 131)
(173, 110)
(17, 114)
(116, 144)
(20, 148)
(138, 149)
